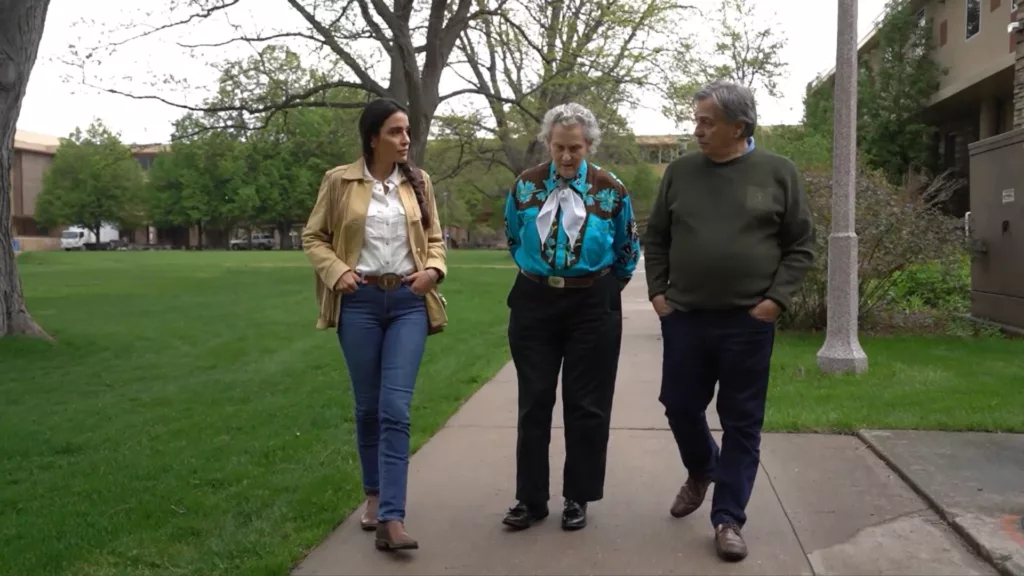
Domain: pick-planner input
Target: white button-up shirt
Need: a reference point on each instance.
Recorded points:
(386, 245)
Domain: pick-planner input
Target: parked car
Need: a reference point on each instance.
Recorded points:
(258, 241)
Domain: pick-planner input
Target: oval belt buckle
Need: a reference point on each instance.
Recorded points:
(389, 281)
(556, 281)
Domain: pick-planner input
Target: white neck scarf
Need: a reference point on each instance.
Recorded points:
(574, 213)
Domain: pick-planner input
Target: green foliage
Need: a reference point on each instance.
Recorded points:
(894, 94)
(807, 148)
(898, 230)
(942, 286)
(642, 182)
(470, 190)
(818, 108)
(897, 81)
(746, 50)
(94, 180)
(224, 172)
(188, 185)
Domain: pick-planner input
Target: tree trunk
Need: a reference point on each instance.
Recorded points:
(284, 230)
(21, 29)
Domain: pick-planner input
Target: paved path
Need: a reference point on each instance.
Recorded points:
(821, 505)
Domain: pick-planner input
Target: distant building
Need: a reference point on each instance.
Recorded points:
(33, 155)
(660, 150)
(975, 99)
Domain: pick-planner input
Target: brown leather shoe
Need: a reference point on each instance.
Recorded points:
(690, 496)
(729, 543)
(368, 521)
(391, 535)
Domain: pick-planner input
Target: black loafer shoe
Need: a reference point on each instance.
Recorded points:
(574, 515)
(522, 516)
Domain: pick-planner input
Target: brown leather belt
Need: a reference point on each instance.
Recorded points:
(386, 282)
(567, 282)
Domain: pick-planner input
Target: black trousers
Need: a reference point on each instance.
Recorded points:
(577, 330)
(733, 349)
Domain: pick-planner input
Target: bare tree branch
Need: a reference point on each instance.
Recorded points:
(252, 40)
(201, 15)
(369, 84)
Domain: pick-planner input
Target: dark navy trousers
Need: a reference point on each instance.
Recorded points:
(734, 350)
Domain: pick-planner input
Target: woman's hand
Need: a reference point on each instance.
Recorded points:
(422, 282)
(348, 283)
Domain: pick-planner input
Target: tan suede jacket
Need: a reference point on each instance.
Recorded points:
(333, 237)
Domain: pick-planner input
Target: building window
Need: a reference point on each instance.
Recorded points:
(919, 51)
(973, 22)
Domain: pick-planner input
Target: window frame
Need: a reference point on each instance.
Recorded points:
(967, 20)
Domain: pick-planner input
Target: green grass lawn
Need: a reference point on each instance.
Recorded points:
(191, 420)
(942, 383)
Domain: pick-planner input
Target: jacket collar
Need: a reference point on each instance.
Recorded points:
(579, 182)
(358, 171)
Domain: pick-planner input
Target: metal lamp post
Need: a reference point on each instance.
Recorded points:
(842, 351)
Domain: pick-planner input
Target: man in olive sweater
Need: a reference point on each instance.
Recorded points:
(729, 240)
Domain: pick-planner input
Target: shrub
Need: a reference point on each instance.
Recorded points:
(910, 252)
(933, 286)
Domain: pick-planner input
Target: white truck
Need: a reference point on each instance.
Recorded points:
(78, 238)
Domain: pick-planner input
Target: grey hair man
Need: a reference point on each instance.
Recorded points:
(571, 232)
(729, 241)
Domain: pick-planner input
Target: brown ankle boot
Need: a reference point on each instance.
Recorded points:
(391, 535)
(368, 521)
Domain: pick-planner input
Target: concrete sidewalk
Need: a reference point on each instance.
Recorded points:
(821, 505)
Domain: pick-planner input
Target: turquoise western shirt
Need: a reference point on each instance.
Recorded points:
(608, 238)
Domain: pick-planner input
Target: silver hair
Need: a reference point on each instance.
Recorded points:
(734, 100)
(569, 115)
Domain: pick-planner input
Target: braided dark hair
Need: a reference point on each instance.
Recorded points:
(374, 115)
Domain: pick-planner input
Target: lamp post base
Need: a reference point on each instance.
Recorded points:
(842, 358)
(842, 351)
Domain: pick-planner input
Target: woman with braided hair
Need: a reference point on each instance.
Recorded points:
(376, 245)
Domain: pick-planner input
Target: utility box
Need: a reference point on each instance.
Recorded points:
(995, 228)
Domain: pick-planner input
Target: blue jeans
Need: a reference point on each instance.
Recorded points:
(383, 335)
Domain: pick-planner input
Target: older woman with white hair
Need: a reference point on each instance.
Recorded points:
(572, 233)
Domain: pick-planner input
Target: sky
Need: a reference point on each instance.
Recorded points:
(57, 101)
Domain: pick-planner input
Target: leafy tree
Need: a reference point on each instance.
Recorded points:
(818, 108)
(94, 180)
(896, 83)
(893, 95)
(806, 147)
(468, 191)
(21, 29)
(199, 183)
(534, 55)
(746, 50)
(286, 162)
(222, 173)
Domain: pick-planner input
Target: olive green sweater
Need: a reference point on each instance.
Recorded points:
(728, 235)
